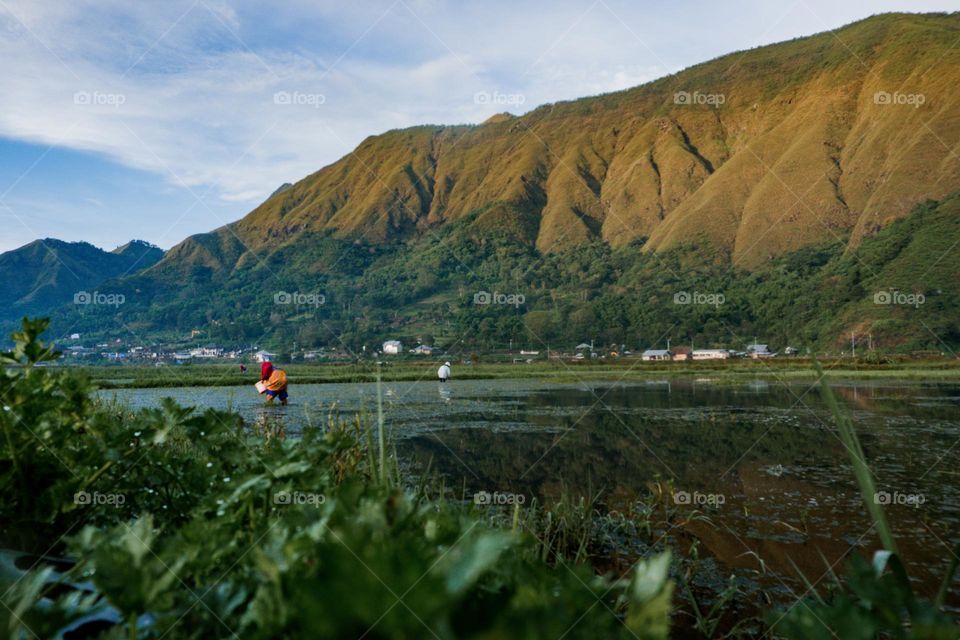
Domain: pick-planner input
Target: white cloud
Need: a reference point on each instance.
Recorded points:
(188, 89)
(198, 103)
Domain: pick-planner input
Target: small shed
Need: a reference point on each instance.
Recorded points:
(393, 347)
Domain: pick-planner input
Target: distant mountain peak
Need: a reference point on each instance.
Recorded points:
(141, 245)
(46, 273)
(499, 117)
(285, 186)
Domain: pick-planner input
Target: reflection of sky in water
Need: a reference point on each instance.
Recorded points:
(767, 447)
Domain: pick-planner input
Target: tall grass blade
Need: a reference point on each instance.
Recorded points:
(861, 470)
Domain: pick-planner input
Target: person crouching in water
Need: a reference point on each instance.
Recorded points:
(276, 382)
(444, 372)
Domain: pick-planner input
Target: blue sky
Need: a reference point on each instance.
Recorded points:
(157, 120)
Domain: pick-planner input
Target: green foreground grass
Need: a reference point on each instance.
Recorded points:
(136, 376)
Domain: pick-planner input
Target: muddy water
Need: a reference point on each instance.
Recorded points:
(759, 460)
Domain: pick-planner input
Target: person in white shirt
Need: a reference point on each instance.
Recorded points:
(444, 372)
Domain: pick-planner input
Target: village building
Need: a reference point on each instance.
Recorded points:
(206, 352)
(756, 351)
(652, 355)
(392, 347)
(711, 354)
(422, 350)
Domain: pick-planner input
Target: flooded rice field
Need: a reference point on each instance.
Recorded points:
(760, 461)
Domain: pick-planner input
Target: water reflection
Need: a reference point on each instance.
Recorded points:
(445, 391)
(767, 448)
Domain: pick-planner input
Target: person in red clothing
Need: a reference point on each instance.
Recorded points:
(276, 381)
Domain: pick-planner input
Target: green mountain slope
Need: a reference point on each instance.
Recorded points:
(46, 274)
(759, 153)
(334, 292)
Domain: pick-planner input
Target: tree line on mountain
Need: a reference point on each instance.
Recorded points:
(480, 289)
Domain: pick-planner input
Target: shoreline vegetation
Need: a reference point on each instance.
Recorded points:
(782, 369)
(174, 522)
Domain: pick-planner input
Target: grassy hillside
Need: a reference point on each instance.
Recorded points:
(759, 153)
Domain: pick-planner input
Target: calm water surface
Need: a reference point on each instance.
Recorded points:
(760, 459)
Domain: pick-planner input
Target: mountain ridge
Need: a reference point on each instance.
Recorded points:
(798, 151)
(46, 273)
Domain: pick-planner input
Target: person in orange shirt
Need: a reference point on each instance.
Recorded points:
(275, 381)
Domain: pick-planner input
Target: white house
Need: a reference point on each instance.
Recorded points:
(264, 356)
(656, 354)
(393, 347)
(710, 354)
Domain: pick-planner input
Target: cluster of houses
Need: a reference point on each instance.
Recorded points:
(679, 354)
(395, 348)
(115, 352)
(586, 350)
